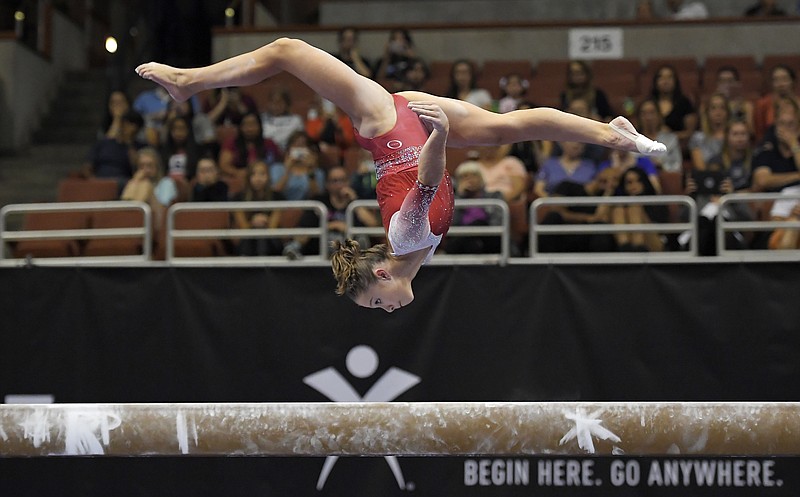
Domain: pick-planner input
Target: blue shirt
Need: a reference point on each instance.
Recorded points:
(553, 173)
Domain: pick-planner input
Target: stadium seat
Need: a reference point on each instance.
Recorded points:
(127, 218)
(87, 190)
(36, 221)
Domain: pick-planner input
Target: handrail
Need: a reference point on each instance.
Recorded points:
(145, 231)
(594, 229)
(724, 226)
(503, 230)
(173, 234)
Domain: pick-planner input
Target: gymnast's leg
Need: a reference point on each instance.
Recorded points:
(369, 105)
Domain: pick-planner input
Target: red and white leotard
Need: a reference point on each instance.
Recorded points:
(415, 216)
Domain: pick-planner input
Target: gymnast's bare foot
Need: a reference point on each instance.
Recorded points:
(172, 79)
(627, 138)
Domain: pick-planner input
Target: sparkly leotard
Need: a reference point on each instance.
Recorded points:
(415, 216)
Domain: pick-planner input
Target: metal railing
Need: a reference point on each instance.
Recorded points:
(503, 230)
(537, 229)
(173, 234)
(725, 226)
(88, 233)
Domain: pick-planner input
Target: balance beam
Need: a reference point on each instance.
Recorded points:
(403, 429)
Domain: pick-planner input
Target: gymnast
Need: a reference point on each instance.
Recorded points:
(407, 133)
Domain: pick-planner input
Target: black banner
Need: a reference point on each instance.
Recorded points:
(704, 332)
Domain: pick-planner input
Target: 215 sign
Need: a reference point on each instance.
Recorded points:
(595, 43)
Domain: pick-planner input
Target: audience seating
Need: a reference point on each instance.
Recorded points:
(115, 246)
(87, 190)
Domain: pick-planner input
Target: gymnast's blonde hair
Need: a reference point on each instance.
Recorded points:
(352, 267)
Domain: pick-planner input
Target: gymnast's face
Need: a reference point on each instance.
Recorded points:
(388, 293)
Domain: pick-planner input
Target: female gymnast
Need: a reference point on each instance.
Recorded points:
(407, 133)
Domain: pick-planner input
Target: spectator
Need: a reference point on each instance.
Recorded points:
(530, 152)
(349, 53)
(469, 184)
(777, 165)
(149, 184)
(299, 176)
(179, 150)
(246, 147)
(364, 180)
(622, 160)
(595, 153)
(782, 80)
(207, 185)
(118, 104)
(257, 189)
(687, 11)
(645, 10)
(415, 76)
(604, 184)
(227, 106)
(706, 142)
(651, 123)
(113, 156)
(729, 84)
(570, 165)
(336, 197)
(765, 8)
(152, 105)
(331, 129)
(278, 122)
(678, 110)
(464, 85)
(514, 88)
(398, 53)
(580, 85)
(636, 183)
(734, 165)
(786, 210)
(203, 132)
(503, 173)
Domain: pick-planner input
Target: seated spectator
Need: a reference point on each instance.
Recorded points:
(604, 184)
(336, 197)
(113, 156)
(179, 151)
(207, 185)
(651, 123)
(786, 210)
(348, 52)
(118, 104)
(782, 81)
(278, 121)
(502, 172)
(622, 160)
(203, 131)
(777, 165)
(764, 8)
(678, 110)
(514, 88)
(645, 10)
(415, 77)
(258, 189)
(683, 11)
(299, 176)
(332, 129)
(149, 185)
(364, 181)
(398, 53)
(227, 106)
(246, 147)
(464, 85)
(580, 85)
(469, 184)
(706, 142)
(635, 183)
(735, 168)
(728, 83)
(152, 106)
(570, 165)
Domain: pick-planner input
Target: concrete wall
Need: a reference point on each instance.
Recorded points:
(28, 81)
(538, 42)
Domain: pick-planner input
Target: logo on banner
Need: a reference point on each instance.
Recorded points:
(362, 362)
